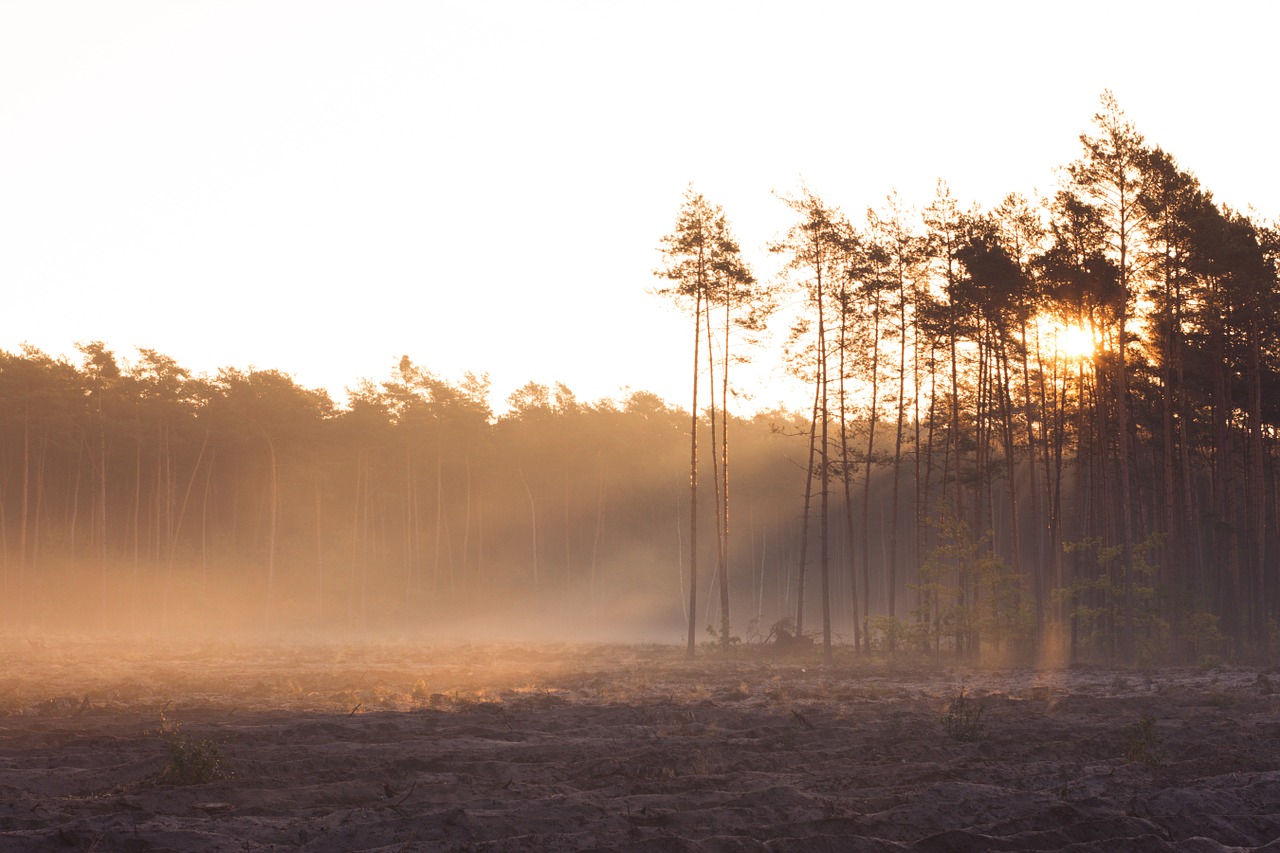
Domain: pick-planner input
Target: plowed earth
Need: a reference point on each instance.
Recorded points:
(403, 747)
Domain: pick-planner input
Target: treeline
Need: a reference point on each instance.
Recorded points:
(137, 497)
(1049, 427)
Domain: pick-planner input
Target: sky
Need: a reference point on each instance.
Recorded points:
(321, 188)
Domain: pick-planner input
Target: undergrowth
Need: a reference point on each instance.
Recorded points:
(962, 718)
(1141, 744)
(191, 761)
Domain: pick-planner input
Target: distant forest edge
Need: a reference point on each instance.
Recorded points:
(1045, 431)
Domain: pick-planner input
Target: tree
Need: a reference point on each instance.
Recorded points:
(1110, 175)
(817, 249)
(703, 265)
(998, 288)
(903, 251)
(744, 307)
(1173, 204)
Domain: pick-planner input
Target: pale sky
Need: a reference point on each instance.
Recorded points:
(322, 187)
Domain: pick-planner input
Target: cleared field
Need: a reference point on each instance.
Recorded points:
(402, 746)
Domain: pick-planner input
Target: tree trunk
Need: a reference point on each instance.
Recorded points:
(693, 482)
(846, 471)
(273, 508)
(804, 520)
(1257, 503)
(533, 529)
(873, 413)
(825, 526)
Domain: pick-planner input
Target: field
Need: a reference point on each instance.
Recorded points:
(399, 746)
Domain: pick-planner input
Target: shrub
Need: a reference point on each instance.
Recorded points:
(1141, 744)
(192, 761)
(962, 719)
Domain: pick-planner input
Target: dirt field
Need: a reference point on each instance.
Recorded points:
(402, 747)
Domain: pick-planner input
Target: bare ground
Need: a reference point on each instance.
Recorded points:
(402, 747)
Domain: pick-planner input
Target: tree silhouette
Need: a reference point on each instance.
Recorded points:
(703, 264)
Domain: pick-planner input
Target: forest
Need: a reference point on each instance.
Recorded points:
(1043, 430)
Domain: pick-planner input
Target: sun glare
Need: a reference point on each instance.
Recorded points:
(1074, 341)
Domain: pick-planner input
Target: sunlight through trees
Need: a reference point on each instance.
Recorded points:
(1045, 430)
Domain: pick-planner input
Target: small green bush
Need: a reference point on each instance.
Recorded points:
(962, 719)
(1141, 744)
(192, 761)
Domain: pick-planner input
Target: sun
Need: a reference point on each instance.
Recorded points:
(1074, 342)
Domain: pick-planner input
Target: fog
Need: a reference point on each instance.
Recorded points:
(141, 502)
(251, 507)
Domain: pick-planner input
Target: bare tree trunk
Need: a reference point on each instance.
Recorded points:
(480, 536)
(102, 515)
(39, 505)
(25, 509)
(720, 576)
(533, 527)
(920, 506)
(357, 541)
(1033, 490)
(804, 522)
(365, 546)
(173, 539)
(846, 471)
(319, 555)
(693, 482)
(435, 566)
(75, 500)
(826, 482)
(872, 417)
(1004, 383)
(1126, 490)
(204, 531)
(1258, 498)
(724, 475)
(595, 542)
(273, 507)
(410, 527)
(891, 591)
(466, 520)
(137, 511)
(923, 508)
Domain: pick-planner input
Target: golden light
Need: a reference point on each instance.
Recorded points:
(1075, 342)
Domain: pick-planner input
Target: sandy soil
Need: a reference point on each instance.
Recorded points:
(401, 747)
